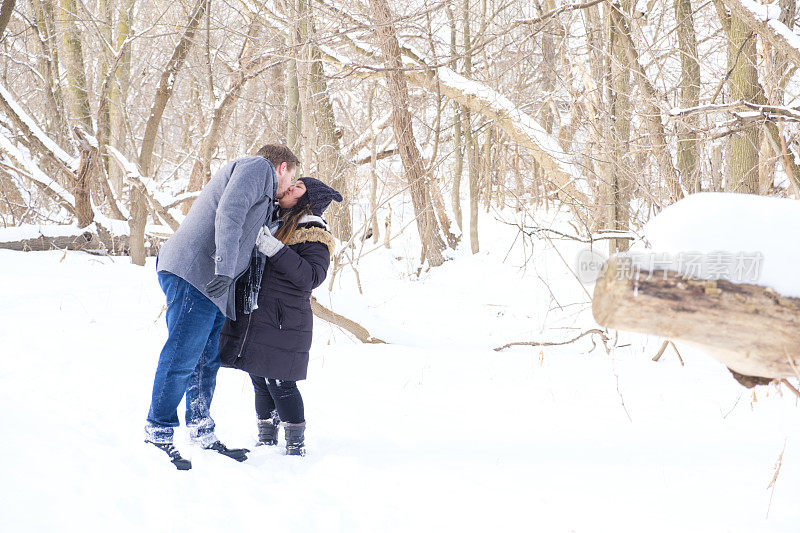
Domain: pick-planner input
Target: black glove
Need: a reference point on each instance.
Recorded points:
(218, 285)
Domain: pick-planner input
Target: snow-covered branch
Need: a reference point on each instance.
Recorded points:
(33, 133)
(134, 177)
(764, 20)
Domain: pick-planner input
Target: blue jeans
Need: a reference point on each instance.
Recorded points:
(188, 363)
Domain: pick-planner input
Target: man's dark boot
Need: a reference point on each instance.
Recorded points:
(268, 432)
(295, 441)
(238, 454)
(174, 455)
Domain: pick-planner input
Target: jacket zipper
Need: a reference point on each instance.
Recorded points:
(244, 340)
(280, 314)
(247, 329)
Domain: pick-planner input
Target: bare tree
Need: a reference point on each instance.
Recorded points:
(385, 33)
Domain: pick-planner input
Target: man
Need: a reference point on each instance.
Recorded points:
(197, 268)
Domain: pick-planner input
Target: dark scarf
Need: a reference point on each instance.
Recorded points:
(247, 290)
(250, 283)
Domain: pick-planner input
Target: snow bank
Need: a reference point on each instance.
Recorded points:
(727, 224)
(433, 432)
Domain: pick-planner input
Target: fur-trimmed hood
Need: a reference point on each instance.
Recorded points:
(313, 234)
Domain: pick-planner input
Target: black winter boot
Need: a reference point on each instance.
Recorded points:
(238, 454)
(268, 432)
(295, 441)
(174, 455)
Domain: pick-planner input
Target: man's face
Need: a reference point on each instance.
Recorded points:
(285, 178)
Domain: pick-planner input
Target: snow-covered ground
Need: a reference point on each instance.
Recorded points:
(433, 431)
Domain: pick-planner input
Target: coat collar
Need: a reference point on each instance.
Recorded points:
(305, 219)
(313, 234)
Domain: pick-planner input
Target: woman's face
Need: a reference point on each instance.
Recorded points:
(292, 194)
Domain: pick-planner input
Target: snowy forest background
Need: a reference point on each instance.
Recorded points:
(458, 378)
(120, 111)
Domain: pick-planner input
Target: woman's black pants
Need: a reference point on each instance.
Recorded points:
(276, 395)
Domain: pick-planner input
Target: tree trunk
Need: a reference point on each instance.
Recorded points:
(373, 171)
(44, 25)
(294, 111)
(548, 66)
(385, 33)
(164, 92)
(473, 155)
(119, 96)
(727, 319)
(6, 9)
(75, 69)
(652, 113)
(331, 166)
(220, 116)
(620, 186)
(458, 151)
(81, 110)
(12, 202)
(688, 141)
(742, 148)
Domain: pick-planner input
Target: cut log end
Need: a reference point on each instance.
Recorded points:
(751, 329)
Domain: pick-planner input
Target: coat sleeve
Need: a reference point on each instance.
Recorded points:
(306, 267)
(244, 189)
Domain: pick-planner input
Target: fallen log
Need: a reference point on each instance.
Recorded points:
(359, 331)
(751, 329)
(94, 238)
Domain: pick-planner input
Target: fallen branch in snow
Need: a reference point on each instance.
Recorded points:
(603, 236)
(663, 348)
(69, 238)
(593, 331)
(93, 238)
(774, 479)
(749, 328)
(359, 331)
(791, 387)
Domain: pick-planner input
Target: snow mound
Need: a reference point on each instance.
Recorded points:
(735, 225)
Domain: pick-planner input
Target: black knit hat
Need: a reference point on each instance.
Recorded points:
(318, 195)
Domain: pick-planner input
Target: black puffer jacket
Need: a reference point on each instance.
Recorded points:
(273, 341)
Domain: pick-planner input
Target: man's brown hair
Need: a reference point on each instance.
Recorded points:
(277, 154)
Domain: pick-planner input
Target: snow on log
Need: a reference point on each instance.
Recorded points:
(764, 20)
(721, 273)
(35, 238)
(751, 329)
(94, 238)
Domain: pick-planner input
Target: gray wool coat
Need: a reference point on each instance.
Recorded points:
(219, 232)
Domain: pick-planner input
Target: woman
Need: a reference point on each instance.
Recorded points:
(270, 340)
